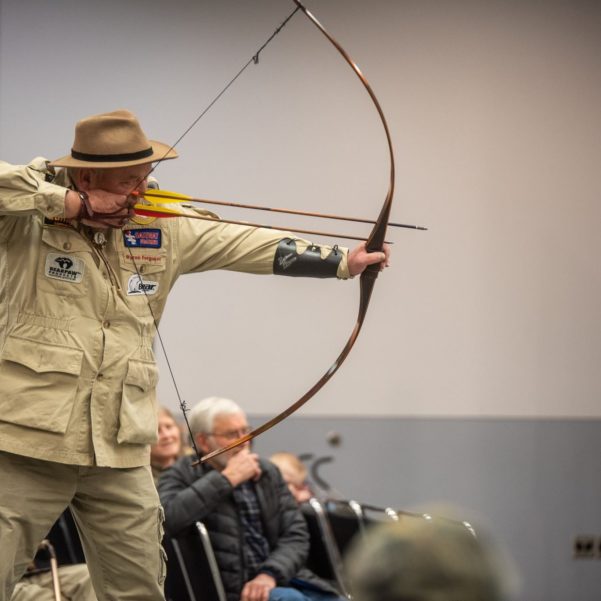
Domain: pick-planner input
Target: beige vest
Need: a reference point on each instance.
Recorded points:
(77, 371)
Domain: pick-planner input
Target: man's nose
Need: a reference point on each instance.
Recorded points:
(142, 186)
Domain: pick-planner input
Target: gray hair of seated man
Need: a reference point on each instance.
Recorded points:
(203, 415)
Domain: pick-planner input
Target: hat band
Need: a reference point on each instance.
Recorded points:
(111, 158)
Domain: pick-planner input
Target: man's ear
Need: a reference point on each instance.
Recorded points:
(84, 178)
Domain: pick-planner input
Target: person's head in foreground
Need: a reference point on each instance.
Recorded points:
(417, 559)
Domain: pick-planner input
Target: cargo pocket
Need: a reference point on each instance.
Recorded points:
(138, 421)
(39, 382)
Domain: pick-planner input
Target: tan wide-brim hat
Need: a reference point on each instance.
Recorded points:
(113, 140)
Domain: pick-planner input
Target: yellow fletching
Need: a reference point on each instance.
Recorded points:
(157, 209)
(164, 197)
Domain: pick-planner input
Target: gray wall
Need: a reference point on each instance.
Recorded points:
(476, 379)
(534, 484)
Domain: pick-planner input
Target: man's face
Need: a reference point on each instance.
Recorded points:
(120, 180)
(226, 429)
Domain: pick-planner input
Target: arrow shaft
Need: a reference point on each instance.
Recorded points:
(153, 212)
(151, 195)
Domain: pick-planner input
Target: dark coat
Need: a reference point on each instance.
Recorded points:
(189, 494)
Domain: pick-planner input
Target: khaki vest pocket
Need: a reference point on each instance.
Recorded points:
(39, 382)
(138, 421)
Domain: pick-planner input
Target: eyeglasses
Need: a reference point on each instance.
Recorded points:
(232, 434)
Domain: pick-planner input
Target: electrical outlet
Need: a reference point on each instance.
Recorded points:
(585, 546)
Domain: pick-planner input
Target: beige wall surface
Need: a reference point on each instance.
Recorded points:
(494, 113)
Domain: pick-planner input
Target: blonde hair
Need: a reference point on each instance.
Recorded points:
(291, 464)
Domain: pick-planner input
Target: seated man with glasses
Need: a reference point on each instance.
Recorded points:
(259, 536)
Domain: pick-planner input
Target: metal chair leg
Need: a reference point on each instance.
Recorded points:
(56, 585)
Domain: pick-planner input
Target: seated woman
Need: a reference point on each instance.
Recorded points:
(169, 446)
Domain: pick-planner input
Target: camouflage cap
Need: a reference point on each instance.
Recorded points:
(418, 559)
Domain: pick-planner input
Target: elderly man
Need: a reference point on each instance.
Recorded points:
(258, 534)
(82, 282)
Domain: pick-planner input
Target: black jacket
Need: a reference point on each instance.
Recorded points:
(189, 494)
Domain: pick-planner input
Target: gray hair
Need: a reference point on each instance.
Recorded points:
(204, 413)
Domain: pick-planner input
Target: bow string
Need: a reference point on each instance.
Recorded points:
(374, 243)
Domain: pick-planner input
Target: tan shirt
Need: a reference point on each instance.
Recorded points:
(77, 371)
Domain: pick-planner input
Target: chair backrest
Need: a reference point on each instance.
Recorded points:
(346, 521)
(192, 571)
(349, 518)
(324, 557)
(376, 515)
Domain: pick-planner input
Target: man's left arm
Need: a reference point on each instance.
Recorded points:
(295, 257)
(209, 245)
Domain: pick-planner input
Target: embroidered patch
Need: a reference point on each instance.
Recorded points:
(64, 267)
(142, 219)
(142, 238)
(136, 286)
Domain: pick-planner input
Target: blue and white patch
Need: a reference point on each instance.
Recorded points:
(142, 238)
(137, 286)
(66, 268)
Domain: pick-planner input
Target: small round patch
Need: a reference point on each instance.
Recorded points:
(142, 219)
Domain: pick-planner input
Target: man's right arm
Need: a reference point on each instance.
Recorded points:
(241, 467)
(30, 189)
(24, 190)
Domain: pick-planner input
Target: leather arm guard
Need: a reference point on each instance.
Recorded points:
(288, 261)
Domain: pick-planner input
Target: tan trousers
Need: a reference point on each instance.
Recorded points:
(117, 512)
(74, 581)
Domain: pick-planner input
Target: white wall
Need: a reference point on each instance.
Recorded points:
(494, 112)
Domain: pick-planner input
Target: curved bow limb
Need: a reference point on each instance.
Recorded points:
(374, 243)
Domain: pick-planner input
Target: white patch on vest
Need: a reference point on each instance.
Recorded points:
(136, 286)
(66, 268)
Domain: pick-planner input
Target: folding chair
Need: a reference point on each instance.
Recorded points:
(192, 570)
(346, 521)
(324, 556)
(47, 546)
